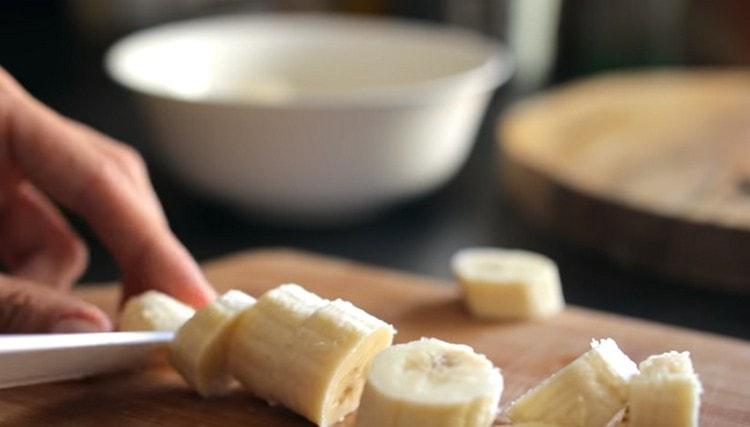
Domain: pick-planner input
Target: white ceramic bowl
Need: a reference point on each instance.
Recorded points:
(311, 118)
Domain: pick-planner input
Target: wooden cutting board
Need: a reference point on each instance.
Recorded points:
(650, 167)
(525, 351)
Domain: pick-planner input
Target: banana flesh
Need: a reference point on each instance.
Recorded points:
(307, 353)
(154, 311)
(508, 284)
(588, 392)
(666, 393)
(430, 383)
(198, 351)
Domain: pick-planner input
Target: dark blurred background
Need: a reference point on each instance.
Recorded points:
(55, 48)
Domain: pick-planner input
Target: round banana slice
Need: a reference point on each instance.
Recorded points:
(198, 350)
(430, 383)
(307, 353)
(508, 284)
(154, 311)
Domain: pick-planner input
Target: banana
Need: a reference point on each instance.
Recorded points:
(508, 284)
(666, 393)
(430, 383)
(588, 392)
(154, 311)
(198, 351)
(307, 353)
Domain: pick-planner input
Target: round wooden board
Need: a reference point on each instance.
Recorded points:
(650, 167)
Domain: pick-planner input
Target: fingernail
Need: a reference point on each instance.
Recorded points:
(66, 326)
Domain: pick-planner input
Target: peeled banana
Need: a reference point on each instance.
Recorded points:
(154, 311)
(198, 351)
(307, 353)
(508, 284)
(588, 392)
(666, 393)
(430, 383)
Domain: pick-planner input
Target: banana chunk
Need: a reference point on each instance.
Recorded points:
(666, 393)
(198, 351)
(430, 383)
(588, 392)
(310, 354)
(154, 311)
(508, 284)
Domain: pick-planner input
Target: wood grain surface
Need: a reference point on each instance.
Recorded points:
(525, 351)
(650, 167)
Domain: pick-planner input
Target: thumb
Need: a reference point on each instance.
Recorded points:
(28, 307)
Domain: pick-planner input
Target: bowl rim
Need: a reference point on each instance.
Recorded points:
(494, 70)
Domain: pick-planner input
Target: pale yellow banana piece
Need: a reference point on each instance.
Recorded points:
(307, 353)
(588, 392)
(666, 393)
(508, 284)
(199, 349)
(154, 311)
(430, 383)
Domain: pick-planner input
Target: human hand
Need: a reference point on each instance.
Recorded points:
(45, 157)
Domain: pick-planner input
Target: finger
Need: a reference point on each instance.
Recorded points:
(65, 161)
(132, 165)
(28, 307)
(150, 269)
(37, 242)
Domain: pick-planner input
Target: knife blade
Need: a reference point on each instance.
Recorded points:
(44, 358)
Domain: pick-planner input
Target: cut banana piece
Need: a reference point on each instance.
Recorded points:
(588, 392)
(307, 353)
(430, 383)
(666, 393)
(199, 348)
(154, 311)
(508, 284)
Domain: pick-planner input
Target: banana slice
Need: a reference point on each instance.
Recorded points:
(666, 393)
(588, 392)
(430, 383)
(508, 284)
(154, 311)
(198, 351)
(307, 353)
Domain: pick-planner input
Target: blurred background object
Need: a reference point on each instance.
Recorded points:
(311, 119)
(648, 166)
(55, 48)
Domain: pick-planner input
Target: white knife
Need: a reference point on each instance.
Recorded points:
(43, 358)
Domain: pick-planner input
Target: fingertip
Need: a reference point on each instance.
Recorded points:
(86, 318)
(170, 269)
(195, 290)
(203, 294)
(70, 326)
